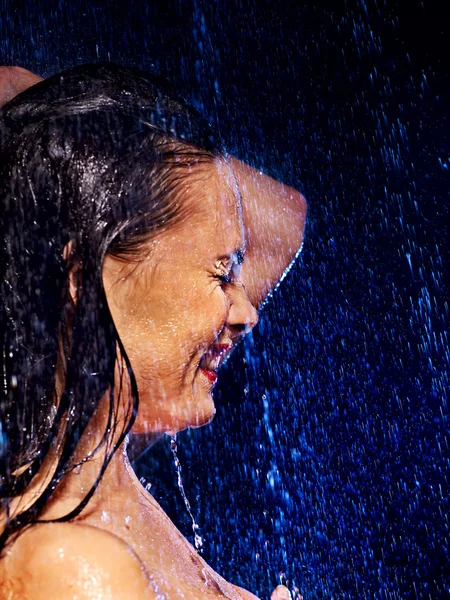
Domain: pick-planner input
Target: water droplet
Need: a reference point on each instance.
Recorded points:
(105, 517)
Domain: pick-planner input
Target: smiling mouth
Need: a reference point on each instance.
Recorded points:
(213, 358)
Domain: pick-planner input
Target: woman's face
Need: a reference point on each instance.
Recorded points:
(181, 308)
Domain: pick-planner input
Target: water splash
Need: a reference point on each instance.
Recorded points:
(198, 541)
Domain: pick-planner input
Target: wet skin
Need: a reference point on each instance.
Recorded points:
(182, 301)
(171, 309)
(182, 297)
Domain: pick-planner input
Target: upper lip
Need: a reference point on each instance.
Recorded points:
(215, 355)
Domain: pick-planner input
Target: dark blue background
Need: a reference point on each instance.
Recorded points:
(328, 458)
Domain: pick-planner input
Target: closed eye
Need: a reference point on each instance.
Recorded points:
(230, 267)
(232, 275)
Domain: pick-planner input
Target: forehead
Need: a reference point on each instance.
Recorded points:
(213, 206)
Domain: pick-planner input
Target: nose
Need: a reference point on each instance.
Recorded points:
(242, 316)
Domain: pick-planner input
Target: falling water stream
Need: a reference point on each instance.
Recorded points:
(198, 541)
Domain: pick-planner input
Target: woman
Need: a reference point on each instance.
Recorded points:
(123, 289)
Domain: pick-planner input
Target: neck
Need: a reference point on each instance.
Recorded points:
(138, 444)
(118, 482)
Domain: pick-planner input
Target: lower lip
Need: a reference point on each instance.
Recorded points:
(210, 375)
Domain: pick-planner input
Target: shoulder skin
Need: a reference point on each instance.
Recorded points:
(63, 561)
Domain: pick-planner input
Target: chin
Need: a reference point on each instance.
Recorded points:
(198, 410)
(201, 411)
(205, 417)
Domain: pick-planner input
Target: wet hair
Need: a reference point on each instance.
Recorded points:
(91, 162)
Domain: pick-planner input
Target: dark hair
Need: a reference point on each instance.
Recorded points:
(90, 163)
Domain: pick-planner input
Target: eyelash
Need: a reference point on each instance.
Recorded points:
(225, 279)
(232, 276)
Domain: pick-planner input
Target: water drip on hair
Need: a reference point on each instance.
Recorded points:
(198, 541)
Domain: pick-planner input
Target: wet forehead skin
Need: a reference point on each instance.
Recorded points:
(229, 206)
(213, 203)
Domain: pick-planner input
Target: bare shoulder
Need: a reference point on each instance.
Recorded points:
(66, 560)
(14, 80)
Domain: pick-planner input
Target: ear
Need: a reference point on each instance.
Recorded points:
(74, 271)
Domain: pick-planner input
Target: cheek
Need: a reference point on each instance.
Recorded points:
(165, 331)
(190, 325)
(195, 306)
(221, 308)
(209, 312)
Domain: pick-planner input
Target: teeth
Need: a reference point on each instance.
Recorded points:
(212, 359)
(210, 365)
(213, 365)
